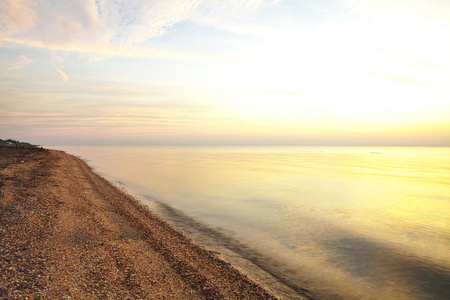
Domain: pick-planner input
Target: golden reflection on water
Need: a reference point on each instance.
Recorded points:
(373, 217)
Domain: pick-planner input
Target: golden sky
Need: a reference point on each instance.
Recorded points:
(305, 72)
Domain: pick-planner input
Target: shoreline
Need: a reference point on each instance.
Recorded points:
(67, 231)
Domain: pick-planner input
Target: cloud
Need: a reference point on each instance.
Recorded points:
(92, 26)
(63, 75)
(88, 23)
(20, 62)
(16, 16)
(98, 29)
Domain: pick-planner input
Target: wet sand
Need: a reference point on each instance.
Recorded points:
(66, 232)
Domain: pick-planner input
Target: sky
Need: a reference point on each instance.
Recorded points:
(225, 72)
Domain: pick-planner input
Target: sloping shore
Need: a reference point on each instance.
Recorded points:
(67, 232)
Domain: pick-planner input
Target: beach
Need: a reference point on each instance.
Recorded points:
(66, 232)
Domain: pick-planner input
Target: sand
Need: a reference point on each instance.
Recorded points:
(66, 232)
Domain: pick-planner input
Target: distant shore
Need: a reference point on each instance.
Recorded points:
(67, 232)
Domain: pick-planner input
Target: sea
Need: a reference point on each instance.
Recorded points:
(305, 222)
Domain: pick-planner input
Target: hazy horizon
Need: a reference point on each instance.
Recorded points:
(209, 72)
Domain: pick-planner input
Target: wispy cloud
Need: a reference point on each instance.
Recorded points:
(98, 26)
(89, 24)
(20, 62)
(63, 75)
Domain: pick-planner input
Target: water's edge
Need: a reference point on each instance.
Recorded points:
(259, 267)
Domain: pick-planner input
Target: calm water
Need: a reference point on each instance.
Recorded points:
(325, 222)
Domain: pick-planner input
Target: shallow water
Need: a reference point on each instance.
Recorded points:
(319, 222)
